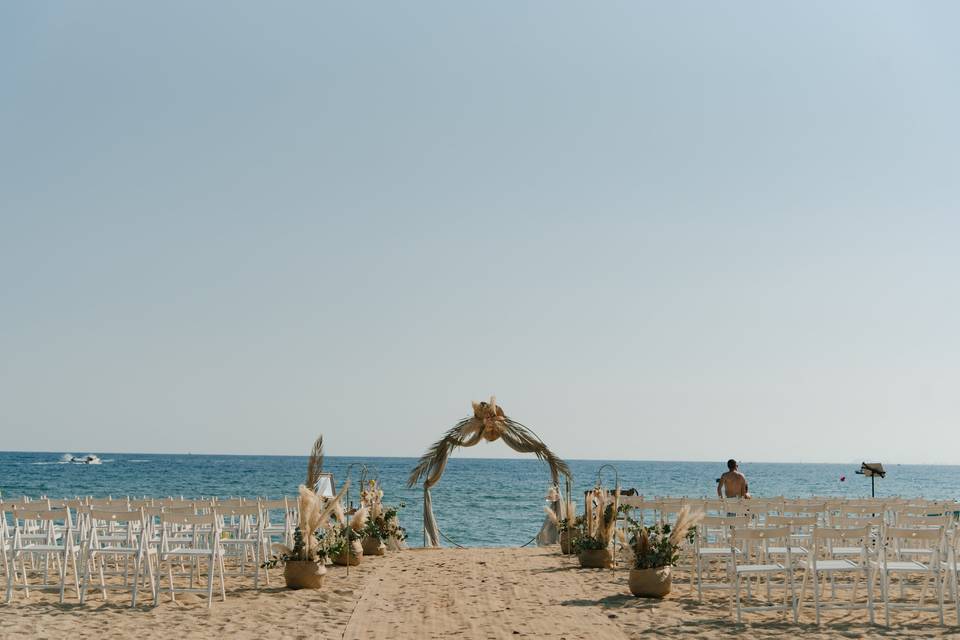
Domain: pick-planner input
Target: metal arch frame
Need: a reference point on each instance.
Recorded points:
(599, 484)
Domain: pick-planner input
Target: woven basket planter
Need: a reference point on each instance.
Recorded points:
(353, 559)
(373, 546)
(650, 583)
(596, 558)
(303, 574)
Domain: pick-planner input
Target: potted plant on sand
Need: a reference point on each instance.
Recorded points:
(567, 522)
(592, 542)
(568, 529)
(374, 534)
(656, 550)
(389, 523)
(383, 531)
(345, 535)
(303, 564)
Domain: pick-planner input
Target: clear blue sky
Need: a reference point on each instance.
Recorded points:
(654, 230)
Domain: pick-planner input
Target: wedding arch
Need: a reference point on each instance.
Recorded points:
(489, 423)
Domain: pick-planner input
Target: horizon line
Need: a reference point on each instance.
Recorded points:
(298, 455)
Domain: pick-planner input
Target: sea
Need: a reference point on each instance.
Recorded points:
(478, 502)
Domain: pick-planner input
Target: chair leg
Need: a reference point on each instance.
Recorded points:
(152, 574)
(62, 573)
(885, 588)
(803, 591)
(86, 580)
(699, 577)
(157, 582)
(954, 590)
(856, 584)
(816, 596)
(738, 600)
(136, 580)
(243, 559)
(46, 569)
(173, 594)
(939, 587)
(793, 594)
(212, 563)
(101, 567)
(255, 550)
(10, 579)
(223, 586)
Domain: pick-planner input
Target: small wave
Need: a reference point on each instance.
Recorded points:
(136, 460)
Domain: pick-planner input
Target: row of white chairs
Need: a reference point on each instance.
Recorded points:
(745, 550)
(828, 510)
(869, 540)
(143, 544)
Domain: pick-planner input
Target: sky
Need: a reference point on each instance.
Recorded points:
(655, 231)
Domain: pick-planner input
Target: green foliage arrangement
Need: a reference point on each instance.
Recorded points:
(301, 551)
(659, 545)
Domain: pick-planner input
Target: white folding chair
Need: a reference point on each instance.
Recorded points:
(42, 534)
(801, 531)
(6, 542)
(915, 521)
(282, 530)
(203, 544)
(118, 535)
(925, 543)
(951, 565)
(819, 564)
(762, 566)
(245, 540)
(712, 544)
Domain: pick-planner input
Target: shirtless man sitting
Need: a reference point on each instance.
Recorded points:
(733, 482)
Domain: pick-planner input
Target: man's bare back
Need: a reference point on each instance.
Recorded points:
(733, 483)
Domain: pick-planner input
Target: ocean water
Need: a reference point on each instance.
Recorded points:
(478, 502)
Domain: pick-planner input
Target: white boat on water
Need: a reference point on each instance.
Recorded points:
(87, 459)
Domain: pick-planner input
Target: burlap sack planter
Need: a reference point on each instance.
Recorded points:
(303, 574)
(356, 553)
(596, 558)
(373, 546)
(650, 583)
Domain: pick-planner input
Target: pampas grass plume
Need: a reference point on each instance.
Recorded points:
(551, 515)
(685, 521)
(359, 519)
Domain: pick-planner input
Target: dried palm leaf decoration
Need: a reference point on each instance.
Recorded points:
(315, 463)
(490, 423)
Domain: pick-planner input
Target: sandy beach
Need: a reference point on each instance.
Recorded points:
(442, 593)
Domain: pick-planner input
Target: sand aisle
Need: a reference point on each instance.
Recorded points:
(476, 593)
